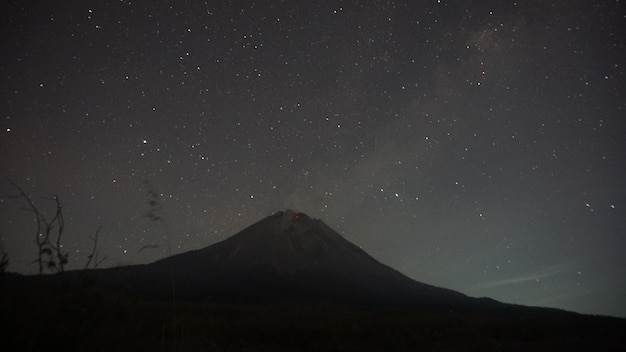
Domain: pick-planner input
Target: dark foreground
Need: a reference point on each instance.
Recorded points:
(91, 321)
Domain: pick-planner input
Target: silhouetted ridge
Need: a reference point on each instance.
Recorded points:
(290, 255)
(285, 256)
(290, 261)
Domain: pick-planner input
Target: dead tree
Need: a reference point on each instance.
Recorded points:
(93, 256)
(50, 254)
(49, 234)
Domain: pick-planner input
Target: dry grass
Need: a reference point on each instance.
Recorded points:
(89, 320)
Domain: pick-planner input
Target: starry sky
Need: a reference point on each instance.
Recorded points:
(477, 146)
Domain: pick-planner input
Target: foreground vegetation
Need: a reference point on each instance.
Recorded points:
(86, 319)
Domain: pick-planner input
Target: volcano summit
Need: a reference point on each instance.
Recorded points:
(289, 255)
(287, 282)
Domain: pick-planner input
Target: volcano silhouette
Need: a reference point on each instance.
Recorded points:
(286, 256)
(285, 283)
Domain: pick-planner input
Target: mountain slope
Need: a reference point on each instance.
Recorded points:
(287, 260)
(286, 256)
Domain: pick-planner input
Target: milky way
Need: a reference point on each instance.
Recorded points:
(473, 146)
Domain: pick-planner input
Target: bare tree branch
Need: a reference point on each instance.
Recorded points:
(40, 238)
(93, 256)
(50, 253)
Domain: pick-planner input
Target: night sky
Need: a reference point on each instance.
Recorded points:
(474, 146)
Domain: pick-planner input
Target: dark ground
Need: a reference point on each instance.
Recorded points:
(88, 320)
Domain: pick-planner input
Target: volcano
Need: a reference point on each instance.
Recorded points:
(285, 257)
(285, 283)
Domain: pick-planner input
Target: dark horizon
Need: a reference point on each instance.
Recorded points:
(187, 259)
